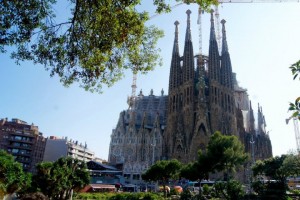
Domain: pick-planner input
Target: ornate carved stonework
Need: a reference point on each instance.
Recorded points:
(203, 97)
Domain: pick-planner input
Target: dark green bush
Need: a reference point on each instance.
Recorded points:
(118, 196)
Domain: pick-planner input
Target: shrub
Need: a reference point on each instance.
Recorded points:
(118, 196)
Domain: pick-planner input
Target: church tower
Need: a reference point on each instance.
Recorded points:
(180, 118)
(221, 90)
(214, 83)
(203, 97)
(175, 96)
(227, 101)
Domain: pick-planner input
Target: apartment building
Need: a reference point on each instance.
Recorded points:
(62, 147)
(23, 141)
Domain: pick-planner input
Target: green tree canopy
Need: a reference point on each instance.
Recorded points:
(56, 180)
(225, 152)
(12, 177)
(274, 172)
(198, 170)
(278, 167)
(93, 46)
(163, 171)
(295, 107)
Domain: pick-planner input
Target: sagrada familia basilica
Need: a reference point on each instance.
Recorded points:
(203, 97)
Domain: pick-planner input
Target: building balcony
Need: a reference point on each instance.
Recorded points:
(26, 134)
(23, 160)
(12, 139)
(21, 154)
(19, 147)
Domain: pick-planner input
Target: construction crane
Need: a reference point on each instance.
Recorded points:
(296, 130)
(132, 98)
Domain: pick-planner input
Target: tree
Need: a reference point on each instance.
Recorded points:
(198, 170)
(222, 153)
(225, 152)
(163, 171)
(291, 164)
(94, 46)
(231, 190)
(295, 107)
(274, 172)
(12, 177)
(57, 180)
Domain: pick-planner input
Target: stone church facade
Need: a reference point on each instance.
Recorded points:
(203, 97)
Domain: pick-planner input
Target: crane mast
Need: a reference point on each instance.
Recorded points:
(200, 34)
(296, 130)
(297, 133)
(132, 98)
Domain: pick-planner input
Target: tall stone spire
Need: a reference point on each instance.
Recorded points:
(213, 55)
(175, 69)
(226, 69)
(261, 120)
(224, 39)
(251, 120)
(188, 54)
(188, 27)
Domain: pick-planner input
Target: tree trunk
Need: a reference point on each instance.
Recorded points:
(200, 190)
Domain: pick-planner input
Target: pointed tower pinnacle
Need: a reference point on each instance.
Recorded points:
(213, 55)
(188, 28)
(251, 120)
(224, 40)
(176, 47)
(188, 54)
(226, 68)
(175, 69)
(261, 120)
(212, 26)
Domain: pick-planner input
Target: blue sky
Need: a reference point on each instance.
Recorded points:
(263, 41)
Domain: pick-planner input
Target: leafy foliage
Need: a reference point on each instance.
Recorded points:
(291, 164)
(275, 171)
(222, 153)
(162, 6)
(163, 171)
(57, 179)
(19, 19)
(119, 196)
(94, 46)
(295, 107)
(231, 190)
(12, 177)
(295, 68)
(225, 152)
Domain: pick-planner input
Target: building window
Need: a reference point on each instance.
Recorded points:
(136, 177)
(127, 176)
(18, 138)
(15, 151)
